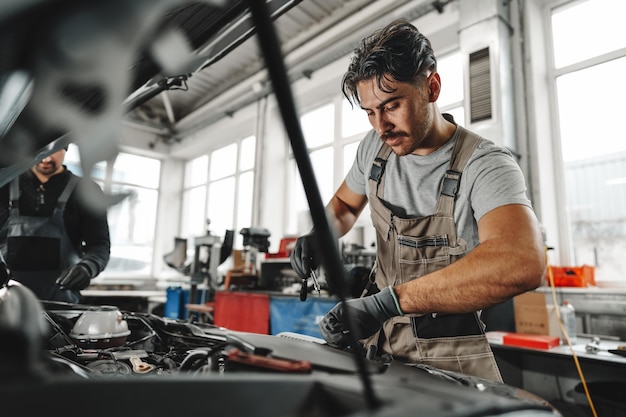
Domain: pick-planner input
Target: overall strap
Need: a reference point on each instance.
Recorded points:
(464, 147)
(378, 169)
(14, 196)
(14, 193)
(65, 195)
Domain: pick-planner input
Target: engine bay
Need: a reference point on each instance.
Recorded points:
(154, 345)
(86, 354)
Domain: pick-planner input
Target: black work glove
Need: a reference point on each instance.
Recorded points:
(368, 314)
(75, 277)
(304, 257)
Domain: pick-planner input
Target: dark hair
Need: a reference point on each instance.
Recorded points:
(399, 51)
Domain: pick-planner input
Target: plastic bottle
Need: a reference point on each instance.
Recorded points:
(568, 315)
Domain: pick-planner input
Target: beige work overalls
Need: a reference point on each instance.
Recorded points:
(413, 247)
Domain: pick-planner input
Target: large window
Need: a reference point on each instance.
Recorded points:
(318, 128)
(589, 64)
(132, 220)
(450, 69)
(331, 155)
(194, 197)
(219, 189)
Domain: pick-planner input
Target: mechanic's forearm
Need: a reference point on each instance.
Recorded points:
(493, 272)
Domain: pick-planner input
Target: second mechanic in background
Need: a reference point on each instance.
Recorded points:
(52, 239)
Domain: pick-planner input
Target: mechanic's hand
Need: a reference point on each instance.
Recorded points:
(75, 277)
(304, 257)
(368, 314)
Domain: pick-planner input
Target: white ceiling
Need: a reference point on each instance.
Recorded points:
(313, 33)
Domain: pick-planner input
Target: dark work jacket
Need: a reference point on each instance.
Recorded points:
(87, 228)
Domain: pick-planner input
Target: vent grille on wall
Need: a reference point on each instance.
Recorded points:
(480, 86)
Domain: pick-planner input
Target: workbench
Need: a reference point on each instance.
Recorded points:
(599, 310)
(552, 374)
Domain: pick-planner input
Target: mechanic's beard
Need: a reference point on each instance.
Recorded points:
(403, 148)
(47, 170)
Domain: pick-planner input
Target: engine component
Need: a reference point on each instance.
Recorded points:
(109, 367)
(140, 366)
(100, 328)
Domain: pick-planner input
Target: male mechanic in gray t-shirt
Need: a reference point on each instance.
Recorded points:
(491, 179)
(455, 230)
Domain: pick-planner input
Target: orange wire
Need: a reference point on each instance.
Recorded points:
(567, 339)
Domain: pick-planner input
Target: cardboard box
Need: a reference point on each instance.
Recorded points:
(553, 322)
(239, 259)
(534, 316)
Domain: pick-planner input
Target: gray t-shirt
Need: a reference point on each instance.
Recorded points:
(492, 178)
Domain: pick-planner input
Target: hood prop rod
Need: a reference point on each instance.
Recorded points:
(270, 47)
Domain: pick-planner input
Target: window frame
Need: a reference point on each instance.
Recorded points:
(565, 239)
(337, 145)
(236, 224)
(107, 183)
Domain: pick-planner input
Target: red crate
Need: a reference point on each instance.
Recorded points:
(572, 276)
(246, 312)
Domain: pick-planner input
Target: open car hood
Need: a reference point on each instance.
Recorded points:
(72, 70)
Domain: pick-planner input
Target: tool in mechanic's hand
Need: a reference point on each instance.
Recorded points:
(304, 287)
(316, 283)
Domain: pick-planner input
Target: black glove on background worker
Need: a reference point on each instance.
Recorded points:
(75, 277)
(304, 257)
(368, 314)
